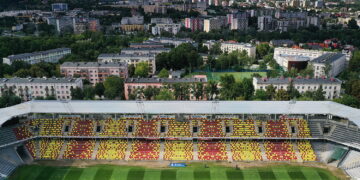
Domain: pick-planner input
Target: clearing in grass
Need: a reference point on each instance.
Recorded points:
(194, 171)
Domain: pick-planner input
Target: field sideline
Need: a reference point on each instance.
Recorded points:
(193, 172)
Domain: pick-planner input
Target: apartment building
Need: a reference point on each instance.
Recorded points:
(130, 59)
(134, 23)
(331, 86)
(161, 21)
(172, 28)
(146, 45)
(133, 84)
(31, 88)
(234, 46)
(195, 24)
(214, 23)
(336, 63)
(51, 56)
(171, 41)
(95, 72)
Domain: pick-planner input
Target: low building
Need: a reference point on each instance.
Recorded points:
(234, 46)
(146, 45)
(161, 21)
(331, 86)
(30, 88)
(95, 72)
(172, 41)
(336, 63)
(134, 23)
(281, 51)
(130, 59)
(282, 43)
(132, 84)
(289, 62)
(168, 27)
(51, 56)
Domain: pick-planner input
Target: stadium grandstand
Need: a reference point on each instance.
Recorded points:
(278, 131)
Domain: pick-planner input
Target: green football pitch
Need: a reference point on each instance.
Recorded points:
(192, 172)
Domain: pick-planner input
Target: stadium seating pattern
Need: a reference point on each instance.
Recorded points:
(82, 128)
(245, 150)
(112, 149)
(212, 150)
(51, 127)
(277, 128)
(79, 149)
(50, 148)
(178, 150)
(306, 151)
(244, 128)
(147, 128)
(211, 128)
(22, 132)
(30, 145)
(280, 151)
(114, 128)
(178, 129)
(145, 150)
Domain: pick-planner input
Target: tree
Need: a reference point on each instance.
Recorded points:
(212, 90)
(150, 92)
(352, 24)
(165, 94)
(319, 94)
(89, 92)
(248, 88)
(142, 69)
(270, 91)
(355, 89)
(292, 91)
(215, 49)
(77, 93)
(131, 70)
(198, 90)
(114, 87)
(262, 50)
(261, 95)
(99, 89)
(181, 91)
(163, 73)
(281, 95)
(348, 100)
(354, 64)
(227, 87)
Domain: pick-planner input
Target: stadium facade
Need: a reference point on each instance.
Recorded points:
(292, 131)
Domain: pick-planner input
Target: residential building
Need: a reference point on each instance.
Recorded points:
(130, 59)
(331, 86)
(146, 45)
(239, 24)
(335, 62)
(30, 88)
(161, 21)
(282, 51)
(86, 24)
(133, 84)
(59, 7)
(95, 72)
(195, 24)
(51, 56)
(144, 50)
(157, 8)
(169, 27)
(172, 41)
(214, 23)
(134, 23)
(234, 46)
(266, 23)
(282, 43)
(62, 23)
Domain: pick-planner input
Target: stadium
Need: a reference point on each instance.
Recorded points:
(136, 140)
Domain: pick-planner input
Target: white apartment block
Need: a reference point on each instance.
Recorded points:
(337, 62)
(130, 59)
(144, 50)
(214, 23)
(161, 21)
(51, 56)
(95, 72)
(239, 24)
(233, 46)
(331, 86)
(31, 88)
(281, 51)
(171, 28)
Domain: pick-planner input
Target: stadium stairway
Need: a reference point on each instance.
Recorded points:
(128, 150)
(37, 148)
(352, 160)
(96, 148)
(297, 152)
(263, 151)
(162, 150)
(196, 151)
(63, 149)
(229, 152)
(315, 127)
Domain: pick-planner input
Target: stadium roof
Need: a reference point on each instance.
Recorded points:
(185, 107)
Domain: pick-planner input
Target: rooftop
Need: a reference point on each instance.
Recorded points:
(298, 80)
(20, 56)
(116, 55)
(38, 80)
(328, 58)
(164, 80)
(93, 64)
(146, 49)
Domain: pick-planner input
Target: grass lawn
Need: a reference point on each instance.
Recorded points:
(237, 75)
(192, 172)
